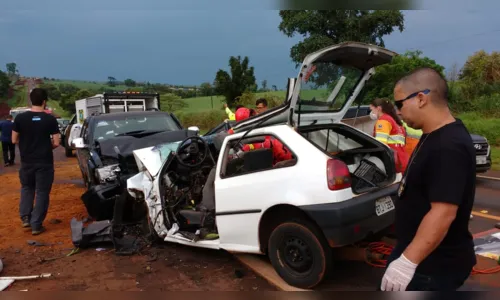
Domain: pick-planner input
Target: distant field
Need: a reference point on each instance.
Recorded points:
(86, 84)
(54, 105)
(200, 104)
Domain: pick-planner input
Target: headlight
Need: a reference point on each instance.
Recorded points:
(107, 173)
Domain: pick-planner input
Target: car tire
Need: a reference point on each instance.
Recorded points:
(299, 253)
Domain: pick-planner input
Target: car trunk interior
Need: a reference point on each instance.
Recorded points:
(370, 163)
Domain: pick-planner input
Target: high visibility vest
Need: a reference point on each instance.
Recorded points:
(389, 132)
(412, 138)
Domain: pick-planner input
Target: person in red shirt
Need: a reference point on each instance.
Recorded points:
(390, 130)
(280, 152)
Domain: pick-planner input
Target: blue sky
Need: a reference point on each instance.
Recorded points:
(187, 43)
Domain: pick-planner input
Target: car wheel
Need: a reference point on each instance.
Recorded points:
(299, 253)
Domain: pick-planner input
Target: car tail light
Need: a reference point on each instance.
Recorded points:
(337, 174)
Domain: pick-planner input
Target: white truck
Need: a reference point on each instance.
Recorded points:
(116, 102)
(107, 103)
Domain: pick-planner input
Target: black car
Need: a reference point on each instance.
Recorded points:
(105, 152)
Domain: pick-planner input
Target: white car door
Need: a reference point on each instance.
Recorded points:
(242, 196)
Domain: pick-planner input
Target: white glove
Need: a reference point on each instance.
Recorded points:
(398, 275)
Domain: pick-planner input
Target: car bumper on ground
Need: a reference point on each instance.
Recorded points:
(99, 200)
(353, 220)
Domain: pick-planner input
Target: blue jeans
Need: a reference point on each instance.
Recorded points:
(35, 179)
(450, 281)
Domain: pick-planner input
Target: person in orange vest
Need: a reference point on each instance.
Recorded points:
(389, 130)
(280, 152)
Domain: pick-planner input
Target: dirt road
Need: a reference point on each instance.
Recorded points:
(172, 267)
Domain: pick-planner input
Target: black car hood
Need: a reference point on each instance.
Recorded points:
(477, 138)
(127, 144)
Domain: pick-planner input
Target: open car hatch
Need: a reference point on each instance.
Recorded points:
(330, 80)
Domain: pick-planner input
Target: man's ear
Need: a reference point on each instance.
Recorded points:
(422, 100)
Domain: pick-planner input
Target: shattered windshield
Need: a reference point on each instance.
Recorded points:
(129, 125)
(327, 87)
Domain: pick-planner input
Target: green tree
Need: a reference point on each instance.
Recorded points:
(480, 75)
(4, 84)
(170, 102)
(241, 79)
(382, 82)
(322, 28)
(111, 81)
(264, 86)
(206, 89)
(52, 90)
(12, 69)
(129, 82)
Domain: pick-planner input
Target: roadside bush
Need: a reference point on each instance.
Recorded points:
(204, 120)
(476, 123)
(248, 100)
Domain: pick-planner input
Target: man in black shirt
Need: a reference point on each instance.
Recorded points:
(37, 134)
(435, 249)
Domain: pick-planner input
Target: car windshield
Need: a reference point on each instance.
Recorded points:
(106, 129)
(327, 87)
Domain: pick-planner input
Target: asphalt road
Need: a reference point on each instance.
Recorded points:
(357, 275)
(31, 85)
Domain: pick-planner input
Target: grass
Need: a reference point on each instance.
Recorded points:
(19, 98)
(200, 104)
(54, 105)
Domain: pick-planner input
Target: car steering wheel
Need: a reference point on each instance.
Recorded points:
(189, 153)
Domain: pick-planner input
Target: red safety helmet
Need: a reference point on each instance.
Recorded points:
(242, 114)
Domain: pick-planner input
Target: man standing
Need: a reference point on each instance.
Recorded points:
(37, 134)
(435, 249)
(9, 149)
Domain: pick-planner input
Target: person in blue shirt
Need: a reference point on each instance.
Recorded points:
(9, 149)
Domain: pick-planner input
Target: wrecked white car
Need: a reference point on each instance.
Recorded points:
(338, 187)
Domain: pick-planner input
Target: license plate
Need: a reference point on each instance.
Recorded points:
(383, 206)
(481, 160)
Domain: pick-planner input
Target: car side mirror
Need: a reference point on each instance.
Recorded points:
(194, 128)
(79, 143)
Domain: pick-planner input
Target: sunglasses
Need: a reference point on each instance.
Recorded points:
(399, 103)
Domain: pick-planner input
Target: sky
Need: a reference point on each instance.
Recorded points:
(185, 44)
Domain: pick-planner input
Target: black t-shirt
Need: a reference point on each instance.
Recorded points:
(35, 130)
(443, 170)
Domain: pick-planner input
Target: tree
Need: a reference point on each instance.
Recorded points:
(481, 74)
(52, 90)
(322, 28)
(4, 84)
(12, 69)
(453, 73)
(111, 81)
(264, 86)
(206, 89)
(382, 83)
(129, 82)
(275, 88)
(242, 79)
(171, 102)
